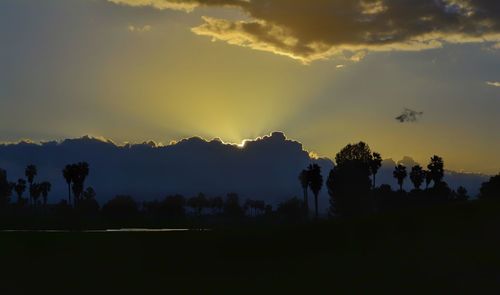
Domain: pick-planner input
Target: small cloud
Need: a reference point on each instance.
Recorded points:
(493, 84)
(409, 116)
(136, 29)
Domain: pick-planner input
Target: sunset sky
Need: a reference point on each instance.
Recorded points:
(325, 72)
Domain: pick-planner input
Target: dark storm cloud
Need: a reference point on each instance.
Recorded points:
(311, 30)
(265, 168)
(409, 116)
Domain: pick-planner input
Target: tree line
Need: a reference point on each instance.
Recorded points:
(351, 186)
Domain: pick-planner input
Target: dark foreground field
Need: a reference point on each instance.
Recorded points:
(451, 249)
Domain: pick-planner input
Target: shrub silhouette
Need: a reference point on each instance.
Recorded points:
(232, 207)
(491, 188)
(291, 210)
(198, 203)
(120, 207)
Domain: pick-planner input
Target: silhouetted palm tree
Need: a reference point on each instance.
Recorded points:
(304, 182)
(45, 188)
(400, 174)
(80, 173)
(315, 183)
(436, 169)
(20, 188)
(68, 174)
(417, 176)
(428, 178)
(30, 172)
(375, 164)
(35, 192)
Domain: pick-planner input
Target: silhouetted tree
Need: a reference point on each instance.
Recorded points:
(45, 188)
(76, 174)
(304, 183)
(5, 189)
(461, 194)
(232, 206)
(198, 203)
(173, 206)
(88, 204)
(89, 193)
(254, 207)
(491, 188)
(30, 172)
(375, 164)
(20, 188)
(249, 206)
(69, 174)
(428, 178)
(260, 206)
(35, 192)
(417, 176)
(291, 210)
(436, 169)
(349, 182)
(400, 174)
(216, 204)
(120, 207)
(315, 183)
(386, 198)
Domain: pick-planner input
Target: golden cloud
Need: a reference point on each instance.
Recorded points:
(321, 29)
(493, 84)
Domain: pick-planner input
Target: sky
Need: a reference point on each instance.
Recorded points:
(325, 72)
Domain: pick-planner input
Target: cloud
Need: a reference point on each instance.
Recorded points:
(321, 29)
(136, 29)
(409, 116)
(494, 84)
(263, 168)
(187, 6)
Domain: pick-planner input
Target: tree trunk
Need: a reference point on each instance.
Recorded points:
(306, 202)
(316, 204)
(373, 184)
(69, 194)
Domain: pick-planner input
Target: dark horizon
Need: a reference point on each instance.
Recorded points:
(149, 171)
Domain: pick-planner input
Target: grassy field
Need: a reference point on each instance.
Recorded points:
(453, 249)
